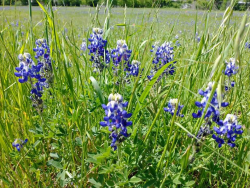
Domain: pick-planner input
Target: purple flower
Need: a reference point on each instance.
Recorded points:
(197, 37)
(219, 140)
(231, 69)
(213, 109)
(163, 55)
(18, 143)
(39, 75)
(121, 53)
(116, 119)
(97, 45)
(228, 130)
(173, 103)
(83, 45)
(133, 68)
(247, 45)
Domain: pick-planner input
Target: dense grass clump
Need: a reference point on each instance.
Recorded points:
(124, 97)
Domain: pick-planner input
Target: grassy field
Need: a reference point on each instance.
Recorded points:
(69, 134)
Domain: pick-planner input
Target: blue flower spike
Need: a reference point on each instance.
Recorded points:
(228, 131)
(213, 109)
(18, 143)
(163, 54)
(121, 53)
(99, 55)
(84, 45)
(116, 119)
(39, 75)
(173, 103)
(133, 68)
(231, 69)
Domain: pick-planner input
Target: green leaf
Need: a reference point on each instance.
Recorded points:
(110, 183)
(97, 88)
(176, 181)
(189, 183)
(96, 184)
(36, 143)
(149, 86)
(78, 141)
(56, 164)
(61, 175)
(54, 155)
(134, 179)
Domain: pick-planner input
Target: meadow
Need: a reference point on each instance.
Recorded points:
(124, 97)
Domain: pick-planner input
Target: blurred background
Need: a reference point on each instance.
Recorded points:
(183, 4)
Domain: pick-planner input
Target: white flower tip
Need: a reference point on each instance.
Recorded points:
(231, 118)
(97, 30)
(135, 62)
(173, 101)
(121, 43)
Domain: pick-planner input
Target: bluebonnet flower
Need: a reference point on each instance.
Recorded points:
(24, 69)
(97, 50)
(213, 109)
(197, 37)
(116, 119)
(171, 107)
(177, 43)
(43, 59)
(18, 143)
(228, 131)
(163, 55)
(83, 45)
(219, 140)
(39, 75)
(133, 68)
(231, 69)
(121, 53)
(247, 45)
(65, 30)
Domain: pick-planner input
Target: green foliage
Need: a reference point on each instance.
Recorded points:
(8, 2)
(202, 4)
(92, 3)
(24, 2)
(66, 145)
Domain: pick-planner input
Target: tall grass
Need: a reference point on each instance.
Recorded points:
(67, 147)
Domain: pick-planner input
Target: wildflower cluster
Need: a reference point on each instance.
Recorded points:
(97, 50)
(213, 109)
(116, 119)
(18, 143)
(39, 75)
(229, 128)
(172, 104)
(228, 131)
(163, 55)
